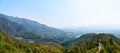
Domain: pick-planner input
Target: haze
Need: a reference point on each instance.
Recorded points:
(65, 13)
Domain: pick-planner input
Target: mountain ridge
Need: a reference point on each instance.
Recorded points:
(41, 32)
(89, 43)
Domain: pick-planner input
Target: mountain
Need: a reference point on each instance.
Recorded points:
(31, 30)
(94, 43)
(15, 29)
(36, 27)
(18, 35)
(87, 43)
(94, 29)
(9, 44)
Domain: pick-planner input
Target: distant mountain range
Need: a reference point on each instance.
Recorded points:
(94, 29)
(31, 30)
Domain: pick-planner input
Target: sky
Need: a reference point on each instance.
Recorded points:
(65, 13)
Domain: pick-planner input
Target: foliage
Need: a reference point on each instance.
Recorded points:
(89, 43)
(12, 45)
(31, 30)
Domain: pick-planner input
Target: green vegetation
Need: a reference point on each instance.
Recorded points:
(11, 45)
(88, 43)
(24, 32)
(31, 30)
(94, 43)
(109, 46)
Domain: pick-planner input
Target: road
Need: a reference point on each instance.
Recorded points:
(99, 48)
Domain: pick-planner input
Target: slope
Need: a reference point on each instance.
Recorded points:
(39, 29)
(16, 30)
(11, 45)
(94, 43)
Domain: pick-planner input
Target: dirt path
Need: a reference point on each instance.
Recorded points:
(99, 47)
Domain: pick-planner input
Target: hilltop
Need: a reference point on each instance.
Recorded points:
(94, 43)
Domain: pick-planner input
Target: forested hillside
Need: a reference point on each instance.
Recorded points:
(31, 30)
(88, 43)
(11, 45)
(94, 43)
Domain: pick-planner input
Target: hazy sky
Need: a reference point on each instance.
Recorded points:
(65, 13)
